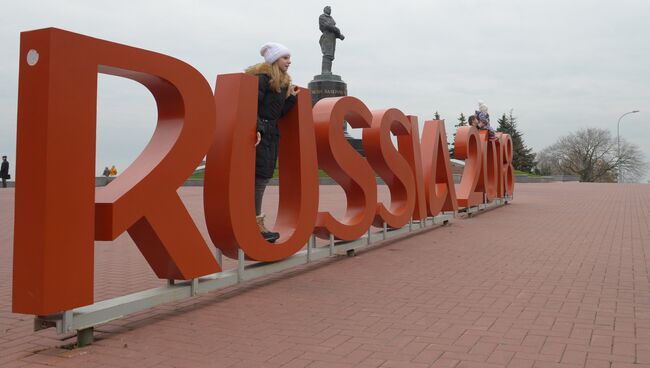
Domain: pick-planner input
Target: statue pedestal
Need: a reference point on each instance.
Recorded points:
(327, 85)
(331, 85)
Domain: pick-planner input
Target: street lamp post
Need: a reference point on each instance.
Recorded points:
(618, 143)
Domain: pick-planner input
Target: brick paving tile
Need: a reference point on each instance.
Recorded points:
(392, 364)
(521, 363)
(558, 278)
(612, 358)
(445, 363)
(643, 356)
(285, 357)
(297, 363)
(551, 348)
(467, 364)
(358, 356)
(574, 357)
(629, 365)
(428, 356)
(540, 364)
(500, 357)
(330, 365)
(371, 363)
(345, 349)
(589, 349)
(598, 364)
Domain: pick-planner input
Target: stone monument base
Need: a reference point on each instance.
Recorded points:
(327, 85)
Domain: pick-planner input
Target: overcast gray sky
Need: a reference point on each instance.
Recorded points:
(560, 65)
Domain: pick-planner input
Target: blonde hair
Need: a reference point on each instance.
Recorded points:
(279, 78)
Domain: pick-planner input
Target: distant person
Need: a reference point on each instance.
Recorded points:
(4, 171)
(472, 121)
(107, 172)
(484, 119)
(276, 96)
(113, 171)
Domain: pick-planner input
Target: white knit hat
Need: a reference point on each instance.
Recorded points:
(482, 107)
(272, 51)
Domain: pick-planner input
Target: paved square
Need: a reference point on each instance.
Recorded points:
(557, 278)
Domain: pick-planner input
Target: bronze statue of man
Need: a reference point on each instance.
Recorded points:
(327, 41)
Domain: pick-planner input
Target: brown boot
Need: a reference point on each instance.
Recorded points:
(269, 236)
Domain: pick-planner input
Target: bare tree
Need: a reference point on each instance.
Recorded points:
(591, 154)
(545, 163)
(632, 164)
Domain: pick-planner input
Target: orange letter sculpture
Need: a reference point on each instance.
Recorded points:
(438, 177)
(491, 171)
(409, 147)
(351, 171)
(59, 213)
(508, 173)
(467, 146)
(229, 199)
(391, 166)
(499, 158)
(53, 259)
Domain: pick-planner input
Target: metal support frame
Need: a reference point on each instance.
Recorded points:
(311, 244)
(85, 337)
(241, 259)
(84, 319)
(497, 202)
(219, 256)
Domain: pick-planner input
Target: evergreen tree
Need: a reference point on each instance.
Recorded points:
(523, 157)
(462, 121)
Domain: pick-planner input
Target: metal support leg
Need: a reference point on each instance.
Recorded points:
(331, 244)
(369, 240)
(410, 225)
(240, 265)
(194, 288)
(219, 257)
(311, 243)
(385, 231)
(66, 323)
(85, 337)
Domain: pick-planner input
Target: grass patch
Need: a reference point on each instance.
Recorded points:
(321, 173)
(519, 172)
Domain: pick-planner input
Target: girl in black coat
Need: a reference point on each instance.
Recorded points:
(276, 96)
